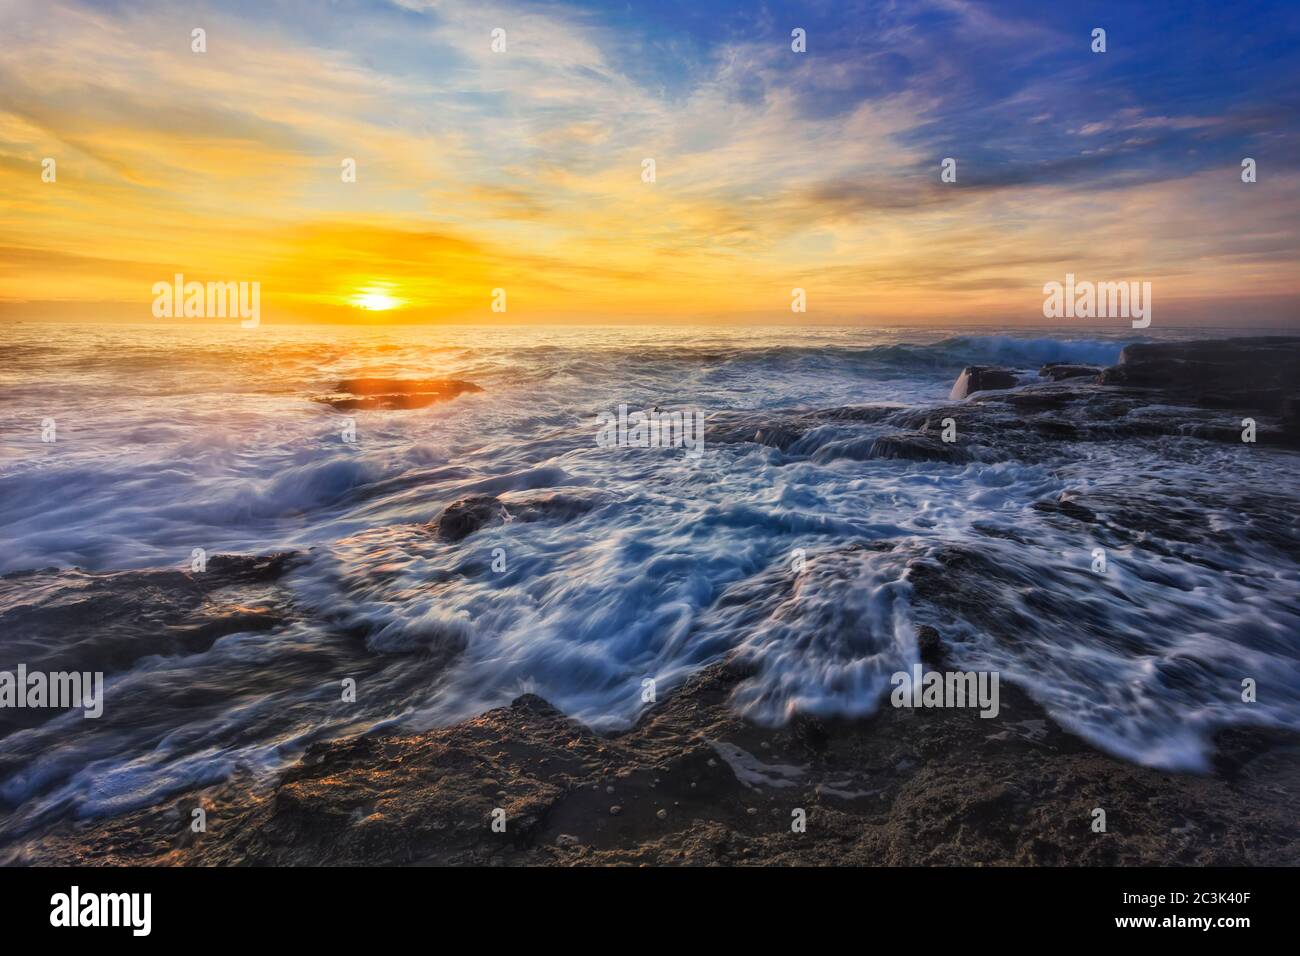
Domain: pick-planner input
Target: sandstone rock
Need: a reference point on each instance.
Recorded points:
(897, 790)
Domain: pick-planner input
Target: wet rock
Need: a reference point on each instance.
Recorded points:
(1024, 424)
(809, 732)
(1071, 402)
(463, 517)
(1240, 373)
(930, 645)
(981, 378)
(119, 617)
(914, 446)
(774, 429)
(71, 620)
(893, 790)
(1057, 430)
(777, 437)
(1067, 507)
(782, 429)
(352, 394)
(1059, 371)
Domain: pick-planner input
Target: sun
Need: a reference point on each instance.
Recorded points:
(375, 298)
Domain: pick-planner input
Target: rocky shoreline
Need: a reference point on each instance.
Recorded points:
(693, 783)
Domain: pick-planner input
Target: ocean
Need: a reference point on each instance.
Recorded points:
(608, 566)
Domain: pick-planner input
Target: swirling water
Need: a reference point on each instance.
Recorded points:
(177, 437)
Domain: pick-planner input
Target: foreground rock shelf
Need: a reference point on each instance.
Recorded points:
(692, 784)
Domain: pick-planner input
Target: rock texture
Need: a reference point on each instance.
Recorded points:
(1245, 373)
(981, 378)
(354, 394)
(692, 784)
(1198, 390)
(119, 618)
(462, 518)
(1057, 371)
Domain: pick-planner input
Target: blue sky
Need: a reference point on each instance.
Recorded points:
(775, 169)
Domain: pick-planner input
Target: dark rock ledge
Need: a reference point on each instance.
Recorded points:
(1192, 390)
(1260, 373)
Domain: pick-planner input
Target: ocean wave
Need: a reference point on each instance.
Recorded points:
(661, 566)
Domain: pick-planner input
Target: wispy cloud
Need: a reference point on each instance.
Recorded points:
(479, 169)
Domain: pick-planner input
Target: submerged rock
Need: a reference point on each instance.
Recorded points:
(353, 394)
(125, 615)
(1066, 506)
(463, 517)
(74, 620)
(782, 429)
(914, 446)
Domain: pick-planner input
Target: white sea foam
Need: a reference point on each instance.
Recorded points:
(220, 447)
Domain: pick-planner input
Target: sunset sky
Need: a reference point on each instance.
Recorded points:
(522, 170)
